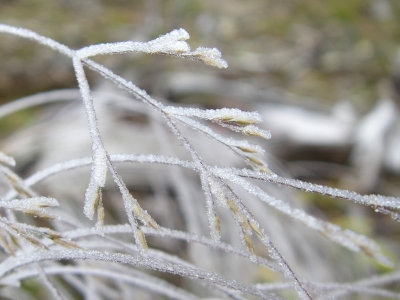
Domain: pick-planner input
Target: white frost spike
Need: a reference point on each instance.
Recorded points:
(8, 160)
(92, 195)
(210, 56)
(97, 181)
(170, 43)
(30, 203)
(35, 206)
(255, 131)
(222, 114)
(246, 148)
(173, 41)
(99, 171)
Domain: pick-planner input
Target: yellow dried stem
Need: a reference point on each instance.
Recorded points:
(14, 240)
(249, 243)
(65, 243)
(245, 224)
(137, 211)
(254, 131)
(242, 219)
(25, 236)
(97, 199)
(256, 161)
(209, 56)
(21, 191)
(247, 149)
(217, 225)
(54, 235)
(236, 122)
(100, 216)
(45, 205)
(256, 229)
(17, 186)
(367, 251)
(35, 242)
(38, 214)
(152, 223)
(232, 206)
(209, 62)
(144, 216)
(11, 178)
(142, 239)
(265, 170)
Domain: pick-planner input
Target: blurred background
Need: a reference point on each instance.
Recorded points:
(325, 75)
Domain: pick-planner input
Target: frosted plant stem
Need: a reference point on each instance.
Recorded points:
(16, 182)
(121, 82)
(147, 262)
(190, 214)
(97, 179)
(87, 101)
(367, 283)
(229, 174)
(284, 266)
(127, 199)
(273, 251)
(245, 173)
(100, 159)
(368, 200)
(147, 99)
(287, 270)
(39, 99)
(43, 276)
(124, 84)
(232, 144)
(179, 263)
(204, 175)
(173, 43)
(347, 238)
(140, 94)
(332, 230)
(28, 34)
(141, 279)
(99, 166)
(91, 290)
(169, 233)
(159, 107)
(333, 290)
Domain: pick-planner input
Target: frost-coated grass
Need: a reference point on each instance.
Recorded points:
(97, 263)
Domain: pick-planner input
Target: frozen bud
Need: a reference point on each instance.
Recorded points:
(170, 43)
(210, 56)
